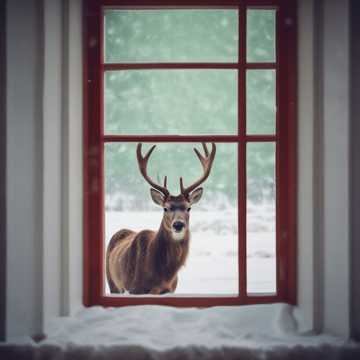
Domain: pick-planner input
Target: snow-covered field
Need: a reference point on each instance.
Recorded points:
(212, 265)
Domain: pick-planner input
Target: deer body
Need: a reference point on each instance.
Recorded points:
(147, 262)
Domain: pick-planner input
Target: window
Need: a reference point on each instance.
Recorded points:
(177, 75)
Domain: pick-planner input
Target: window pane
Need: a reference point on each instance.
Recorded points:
(212, 264)
(260, 101)
(171, 36)
(171, 102)
(260, 35)
(261, 229)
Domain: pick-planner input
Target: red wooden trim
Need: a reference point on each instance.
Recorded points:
(290, 37)
(281, 158)
(191, 138)
(280, 184)
(184, 301)
(242, 156)
(287, 157)
(261, 65)
(187, 3)
(171, 138)
(170, 7)
(261, 138)
(150, 4)
(92, 170)
(101, 214)
(164, 65)
(280, 270)
(86, 248)
(143, 66)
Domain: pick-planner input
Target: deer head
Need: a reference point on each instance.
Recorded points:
(177, 208)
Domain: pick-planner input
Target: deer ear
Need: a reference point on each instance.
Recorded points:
(195, 196)
(157, 197)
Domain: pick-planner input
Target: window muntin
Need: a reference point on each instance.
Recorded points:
(284, 209)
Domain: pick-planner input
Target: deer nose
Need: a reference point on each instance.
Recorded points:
(178, 225)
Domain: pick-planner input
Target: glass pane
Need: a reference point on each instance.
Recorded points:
(212, 263)
(261, 220)
(171, 102)
(260, 33)
(171, 36)
(260, 101)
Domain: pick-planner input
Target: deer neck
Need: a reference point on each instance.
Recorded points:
(169, 255)
(164, 237)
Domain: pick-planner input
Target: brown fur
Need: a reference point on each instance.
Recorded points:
(146, 262)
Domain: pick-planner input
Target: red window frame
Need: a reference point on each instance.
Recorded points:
(284, 138)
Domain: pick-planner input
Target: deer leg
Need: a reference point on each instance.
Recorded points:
(173, 284)
(119, 238)
(165, 287)
(114, 289)
(157, 290)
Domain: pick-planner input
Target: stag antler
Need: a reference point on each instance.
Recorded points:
(142, 161)
(206, 162)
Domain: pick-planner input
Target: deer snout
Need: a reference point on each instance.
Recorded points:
(178, 225)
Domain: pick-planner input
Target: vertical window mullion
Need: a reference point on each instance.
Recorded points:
(279, 266)
(242, 152)
(101, 150)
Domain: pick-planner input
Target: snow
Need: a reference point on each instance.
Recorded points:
(163, 327)
(160, 332)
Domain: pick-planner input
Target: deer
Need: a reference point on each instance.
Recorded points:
(148, 262)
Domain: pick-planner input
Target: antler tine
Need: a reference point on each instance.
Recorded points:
(142, 162)
(206, 162)
(147, 155)
(182, 189)
(206, 151)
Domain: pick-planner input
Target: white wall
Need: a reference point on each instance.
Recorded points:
(52, 153)
(24, 167)
(355, 162)
(72, 158)
(2, 170)
(324, 167)
(336, 166)
(306, 160)
(62, 160)
(44, 163)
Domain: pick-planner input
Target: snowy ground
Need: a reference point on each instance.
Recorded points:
(212, 265)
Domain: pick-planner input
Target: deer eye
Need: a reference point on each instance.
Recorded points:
(165, 209)
(188, 209)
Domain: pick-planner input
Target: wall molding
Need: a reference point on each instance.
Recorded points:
(2, 169)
